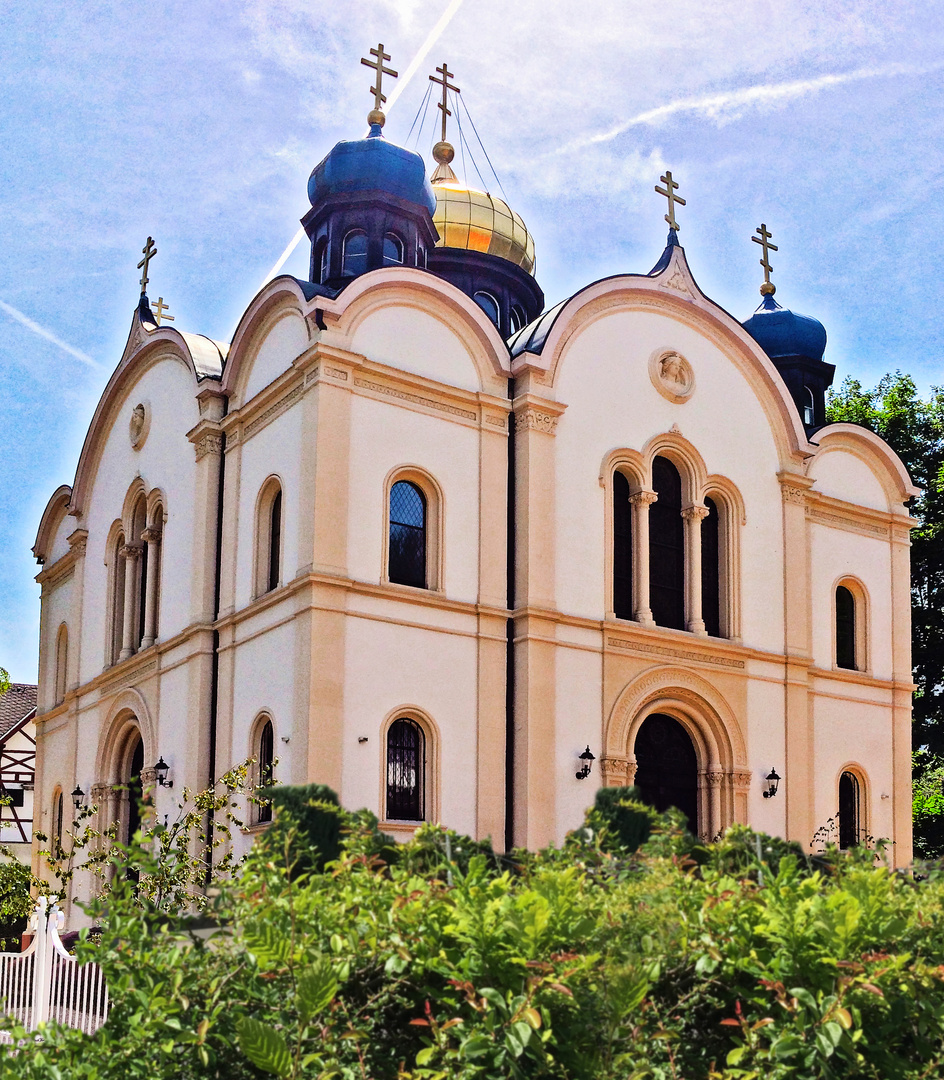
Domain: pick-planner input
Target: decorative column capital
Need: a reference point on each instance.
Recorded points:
(78, 541)
(210, 443)
(695, 512)
(100, 792)
(714, 776)
(151, 534)
(130, 552)
(741, 779)
(643, 498)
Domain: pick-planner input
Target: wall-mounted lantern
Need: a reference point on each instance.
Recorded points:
(161, 769)
(773, 782)
(588, 759)
(78, 798)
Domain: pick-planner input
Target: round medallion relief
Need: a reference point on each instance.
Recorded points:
(672, 375)
(139, 424)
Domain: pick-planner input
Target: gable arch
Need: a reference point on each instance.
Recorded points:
(56, 511)
(882, 461)
(644, 293)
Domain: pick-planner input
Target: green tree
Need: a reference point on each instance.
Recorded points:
(914, 427)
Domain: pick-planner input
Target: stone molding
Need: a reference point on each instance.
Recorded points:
(416, 399)
(78, 541)
(674, 654)
(210, 443)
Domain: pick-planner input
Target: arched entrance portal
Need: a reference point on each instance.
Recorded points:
(667, 767)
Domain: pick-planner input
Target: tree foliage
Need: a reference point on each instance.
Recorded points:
(596, 961)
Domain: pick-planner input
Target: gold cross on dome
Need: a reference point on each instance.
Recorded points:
(149, 251)
(763, 238)
(378, 65)
(669, 193)
(159, 308)
(444, 83)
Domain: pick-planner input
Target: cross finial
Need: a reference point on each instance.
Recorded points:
(159, 309)
(149, 251)
(763, 238)
(377, 89)
(446, 87)
(669, 192)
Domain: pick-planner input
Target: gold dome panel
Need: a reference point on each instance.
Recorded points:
(477, 221)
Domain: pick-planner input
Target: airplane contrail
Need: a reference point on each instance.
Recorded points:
(48, 335)
(431, 38)
(713, 105)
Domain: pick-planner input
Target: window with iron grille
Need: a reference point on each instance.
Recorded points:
(406, 768)
(406, 563)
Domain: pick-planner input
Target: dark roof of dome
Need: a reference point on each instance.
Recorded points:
(781, 332)
(372, 164)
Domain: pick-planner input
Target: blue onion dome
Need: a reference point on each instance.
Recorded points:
(781, 332)
(372, 164)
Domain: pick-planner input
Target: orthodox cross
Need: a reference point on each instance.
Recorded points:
(149, 251)
(444, 83)
(763, 238)
(669, 192)
(159, 308)
(377, 89)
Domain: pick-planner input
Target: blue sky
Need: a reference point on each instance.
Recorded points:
(198, 124)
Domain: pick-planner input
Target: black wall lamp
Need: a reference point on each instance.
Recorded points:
(78, 797)
(588, 759)
(161, 769)
(773, 782)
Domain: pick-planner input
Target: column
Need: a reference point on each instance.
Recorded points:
(641, 501)
(693, 516)
(130, 553)
(151, 536)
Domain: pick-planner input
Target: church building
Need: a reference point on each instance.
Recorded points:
(465, 558)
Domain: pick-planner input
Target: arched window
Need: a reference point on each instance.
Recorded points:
(269, 538)
(58, 804)
(321, 260)
(849, 810)
(132, 781)
(265, 763)
(117, 573)
(809, 407)
(406, 771)
(518, 318)
(488, 304)
(622, 549)
(354, 258)
(406, 560)
(392, 250)
(667, 547)
(845, 628)
(151, 576)
(710, 570)
(62, 663)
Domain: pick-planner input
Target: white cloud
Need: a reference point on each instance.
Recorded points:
(48, 335)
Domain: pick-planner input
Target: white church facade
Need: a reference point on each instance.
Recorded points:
(417, 539)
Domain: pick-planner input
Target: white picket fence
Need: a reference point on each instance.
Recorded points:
(45, 983)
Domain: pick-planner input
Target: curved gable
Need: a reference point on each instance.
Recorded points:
(854, 464)
(51, 536)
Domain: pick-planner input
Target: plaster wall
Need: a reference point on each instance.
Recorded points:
(578, 700)
(845, 476)
(60, 543)
(280, 342)
(413, 340)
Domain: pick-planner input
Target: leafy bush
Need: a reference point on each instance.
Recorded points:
(598, 960)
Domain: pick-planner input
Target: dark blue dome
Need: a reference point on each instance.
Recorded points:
(781, 332)
(372, 164)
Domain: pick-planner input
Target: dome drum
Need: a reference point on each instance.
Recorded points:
(497, 285)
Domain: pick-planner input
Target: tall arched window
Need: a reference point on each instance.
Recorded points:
(845, 628)
(667, 547)
(269, 538)
(489, 305)
(132, 781)
(321, 260)
(265, 763)
(406, 771)
(809, 407)
(849, 810)
(58, 804)
(140, 565)
(406, 561)
(392, 250)
(622, 549)
(117, 569)
(710, 570)
(62, 663)
(354, 257)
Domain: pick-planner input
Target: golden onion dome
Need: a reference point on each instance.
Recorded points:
(476, 221)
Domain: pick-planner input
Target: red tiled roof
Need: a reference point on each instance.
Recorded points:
(19, 701)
